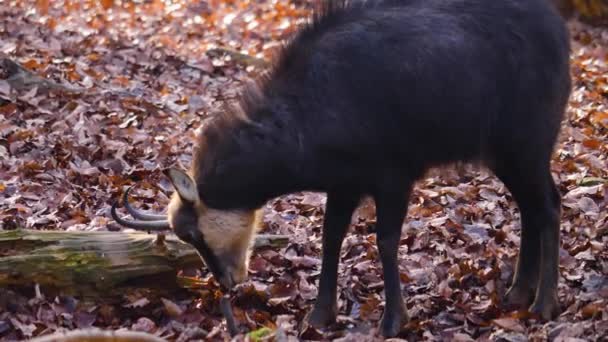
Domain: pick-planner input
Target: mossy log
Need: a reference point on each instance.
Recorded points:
(93, 263)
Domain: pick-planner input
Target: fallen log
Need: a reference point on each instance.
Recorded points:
(94, 263)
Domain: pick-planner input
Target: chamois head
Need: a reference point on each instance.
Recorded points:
(222, 237)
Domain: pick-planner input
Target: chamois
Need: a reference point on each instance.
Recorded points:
(361, 102)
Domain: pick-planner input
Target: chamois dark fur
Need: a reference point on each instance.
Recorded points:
(370, 95)
(342, 102)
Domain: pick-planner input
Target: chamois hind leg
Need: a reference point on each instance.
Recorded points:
(536, 271)
(391, 208)
(338, 213)
(546, 303)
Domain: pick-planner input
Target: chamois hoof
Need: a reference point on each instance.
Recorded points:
(322, 316)
(393, 321)
(519, 296)
(546, 307)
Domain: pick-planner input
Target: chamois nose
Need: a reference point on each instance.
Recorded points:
(226, 281)
(232, 277)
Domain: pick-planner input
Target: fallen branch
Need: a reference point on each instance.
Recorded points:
(239, 57)
(20, 78)
(94, 263)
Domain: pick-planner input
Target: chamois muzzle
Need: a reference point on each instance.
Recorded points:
(144, 221)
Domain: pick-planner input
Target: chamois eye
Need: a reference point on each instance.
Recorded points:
(186, 236)
(190, 238)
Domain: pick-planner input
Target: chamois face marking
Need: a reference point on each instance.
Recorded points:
(222, 237)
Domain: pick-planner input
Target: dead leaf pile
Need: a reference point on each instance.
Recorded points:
(132, 82)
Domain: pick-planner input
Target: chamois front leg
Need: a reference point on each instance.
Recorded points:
(537, 270)
(391, 207)
(338, 213)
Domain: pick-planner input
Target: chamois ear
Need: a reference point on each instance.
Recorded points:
(184, 185)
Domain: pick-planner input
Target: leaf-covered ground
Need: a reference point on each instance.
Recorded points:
(132, 82)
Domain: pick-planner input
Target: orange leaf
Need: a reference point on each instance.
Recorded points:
(93, 57)
(592, 143)
(592, 309)
(51, 23)
(122, 80)
(73, 76)
(107, 4)
(600, 118)
(42, 6)
(71, 6)
(32, 64)
(8, 109)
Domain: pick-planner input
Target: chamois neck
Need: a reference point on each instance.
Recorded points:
(250, 160)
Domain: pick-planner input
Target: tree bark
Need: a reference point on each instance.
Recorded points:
(99, 263)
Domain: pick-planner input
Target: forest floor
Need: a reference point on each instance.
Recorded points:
(124, 87)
